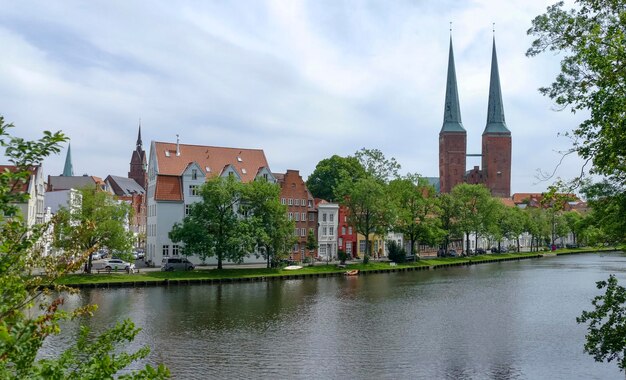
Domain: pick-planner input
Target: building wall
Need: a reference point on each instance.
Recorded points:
(346, 234)
(452, 159)
(328, 220)
(295, 195)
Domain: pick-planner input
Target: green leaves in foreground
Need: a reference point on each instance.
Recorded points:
(606, 337)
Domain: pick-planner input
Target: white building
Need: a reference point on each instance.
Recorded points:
(32, 210)
(175, 173)
(327, 220)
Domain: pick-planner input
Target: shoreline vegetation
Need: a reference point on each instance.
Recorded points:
(231, 275)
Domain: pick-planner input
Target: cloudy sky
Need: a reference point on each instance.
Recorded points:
(302, 80)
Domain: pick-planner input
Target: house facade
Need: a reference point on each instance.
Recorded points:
(300, 208)
(346, 234)
(328, 221)
(175, 173)
(32, 210)
(131, 192)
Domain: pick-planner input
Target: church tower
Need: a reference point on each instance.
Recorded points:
(452, 137)
(138, 165)
(68, 168)
(496, 141)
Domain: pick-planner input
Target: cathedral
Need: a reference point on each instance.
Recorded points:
(495, 170)
(138, 166)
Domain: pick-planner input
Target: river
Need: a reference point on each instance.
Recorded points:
(509, 320)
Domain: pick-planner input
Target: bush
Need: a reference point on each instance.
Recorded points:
(342, 255)
(397, 253)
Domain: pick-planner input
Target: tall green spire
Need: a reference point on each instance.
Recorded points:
(495, 109)
(452, 111)
(68, 170)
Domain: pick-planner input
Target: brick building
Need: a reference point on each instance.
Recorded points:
(495, 173)
(346, 234)
(301, 209)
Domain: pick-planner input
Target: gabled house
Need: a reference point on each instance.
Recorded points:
(175, 173)
(32, 210)
(128, 190)
(328, 221)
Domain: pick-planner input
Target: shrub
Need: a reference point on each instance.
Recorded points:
(397, 253)
(342, 255)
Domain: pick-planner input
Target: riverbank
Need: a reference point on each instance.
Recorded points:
(231, 275)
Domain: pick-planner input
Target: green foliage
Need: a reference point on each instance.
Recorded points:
(28, 314)
(98, 223)
(396, 253)
(342, 256)
(607, 324)
(606, 222)
(330, 173)
(311, 241)
(475, 209)
(377, 166)
(592, 39)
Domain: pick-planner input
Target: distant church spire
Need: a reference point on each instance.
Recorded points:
(68, 169)
(139, 143)
(495, 109)
(452, 111)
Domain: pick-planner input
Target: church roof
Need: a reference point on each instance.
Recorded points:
(495, 110)
(452, 110)
(123, 186)
(68, 169)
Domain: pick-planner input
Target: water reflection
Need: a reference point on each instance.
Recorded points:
(513, 320)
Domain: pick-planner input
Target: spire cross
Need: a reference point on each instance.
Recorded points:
(450, 27)
(493, 26)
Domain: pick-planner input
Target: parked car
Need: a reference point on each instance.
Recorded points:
(98, 255)
(113, 265)
(480, 251)
(452, 253)
(175, 263)
(571, 245)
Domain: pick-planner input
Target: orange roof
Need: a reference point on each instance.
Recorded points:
(168, 188)
(21, 187)
(507, 202)
(521, 197)
(211, 159)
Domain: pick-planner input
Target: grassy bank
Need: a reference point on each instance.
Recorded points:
(252, 273)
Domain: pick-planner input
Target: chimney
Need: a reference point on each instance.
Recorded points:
(177, 146)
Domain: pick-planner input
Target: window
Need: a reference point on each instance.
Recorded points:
(193, 190)
(325, 231)
(340, 242)
(322, 250)
(303, 202)
(362, 245)
(244, 171)
(375, 246)
(349, 248)
(303, 232)
(295, 247)
(295, 232)
(265, 176)
(194, 174)
(323, 217)
(290, 215)
(310, 203)
(303, 217)
(331, 231)
(290, 201)
(297, 217)
(239, 159)
(349, 230)
(296, 202)
(312, 217)
(187, 210)
(331, 217)
(175, 250)
(166, 250)
(343, 230)
(283, 201)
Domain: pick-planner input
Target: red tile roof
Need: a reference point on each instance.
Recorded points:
(21, 187)
(247, 162)
(168, 188)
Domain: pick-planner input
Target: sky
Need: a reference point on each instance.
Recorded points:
(302, 80)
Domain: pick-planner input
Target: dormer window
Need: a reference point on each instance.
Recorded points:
(167, 153)
(208, 169)
(239, 159)
(244, 171)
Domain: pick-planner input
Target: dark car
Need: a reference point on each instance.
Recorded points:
(452, 253)
(480, 251)
(571, 245)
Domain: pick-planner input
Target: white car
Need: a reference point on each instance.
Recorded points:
(113, 265)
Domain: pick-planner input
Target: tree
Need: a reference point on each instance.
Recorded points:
(608, 207)
(592, 38)
(213, 226)
(268, 221)
(509, 222)
(368, 207)
(449, 209)
(415, 210)
(475, 209)
(100, 222)
(311, 242)
(607, 324)
(330, 172)
(23, 331)
(573, 220)
(377, 165)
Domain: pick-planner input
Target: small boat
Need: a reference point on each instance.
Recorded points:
(352, 272)
(293, 267)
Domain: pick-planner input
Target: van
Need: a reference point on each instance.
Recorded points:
(175, 263)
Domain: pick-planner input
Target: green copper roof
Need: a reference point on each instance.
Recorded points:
(452, 111)
(495, 109)
(68, 170)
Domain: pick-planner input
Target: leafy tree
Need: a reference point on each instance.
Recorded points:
(509, 223)
(368, 208)
(574, 222)
(396, 253)
(377, 165)
(449, 210)
(311, 242)
(415, 210)
(213, 226)
(608, 207)
(607, 324)
(268, 221)
(23, 331)
(100, 222)
(475, 208)
(592, 39)
(330, 172)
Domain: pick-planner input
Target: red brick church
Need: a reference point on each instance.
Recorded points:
(495, 172)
